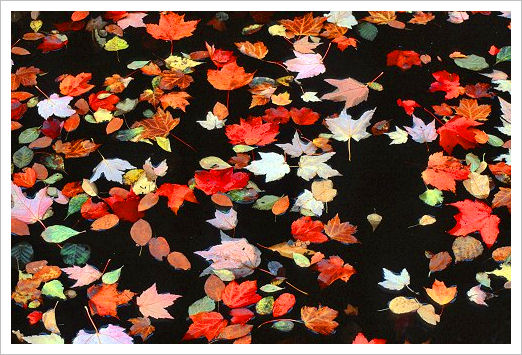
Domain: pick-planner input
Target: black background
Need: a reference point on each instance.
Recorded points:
(380, 178)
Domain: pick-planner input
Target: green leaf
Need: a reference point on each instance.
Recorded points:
(504, 54)
(483, 279)
(125, 106)
(75, 203)
(472, 62)
(164, 143)
(112, 276)
(367, 31)
(270, 288)
(240, 148)
(75, 254)
(246, 195)
(495, 141)
(116, 44)
(28, 135)
(301, 260)
(265, 305)
(53, 178)
(148, 113)
(126, 135)
(54, 161)
(224, 274)
(53, 288)
(266, 202)
(283, 325)
(137, 64)
(23, 252)
(205, 304)
(44, 339)
(473, 161)
(58, 233)
(22, 157)
(432, 197)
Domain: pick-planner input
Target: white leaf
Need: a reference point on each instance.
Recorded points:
(55, 105)
(310, 96)
(212, 122)
(306, 65)
(112, 169)
(312, 165)
(400, 136)
(224, 221)
(421, 132)
(394, 281)
(111, 334)
(475, 294)
(44, 339)
(344, 128)
(272, 165)
(341, 18)
(298, 147)
(307, 201)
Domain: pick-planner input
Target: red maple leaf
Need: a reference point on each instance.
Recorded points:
(333, 269)
(240, 295)
(220, 180)
(408, 105)
(277, 115)
(220, 57)
(475, 216)
(207, 324)
(303, 116)
(458, 130)
(176, 195)
(103, 99)
(361, 339)
(172, 27)
(126, 208)
(52, 42)
(403, 59)
(447, 82)
(252, 132)
(305, 229)
(442, 171)
(75, 85)
(94, 210)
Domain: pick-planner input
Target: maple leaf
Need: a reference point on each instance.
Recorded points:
(255, 50)
(29, 210)
(176, 194)
(361, 339)
(408, 105)
(342, 232)
(306, 201)
(421, 18)
(233, 254)
(104, 299)
(440, 293)
(55, 105)
(303, 116)
(172, 27)
(403, 59)
(75, 85)
(395, 281)
(305, 229)
(126, 208)
(252, 132)
(459, 130)
(112, 169)
(224, 221)
(26, 178)
(175, 100)
(151, 96)
(381, 17)
(133, 19)
(298, 147)
(272, 165)
(478, 90)
(306, 25)
(103, 99)
(76, 149)
(320, 320)
(111, 334)
(475, 216)
(152, 304)
(333, 269)
(312, 165)
(220, 180)
(158, 125)
(348, 90)
(421, 132)
(470, 109)
(141, 326)
(306, 47)
(502, 198)
(116, 83)
(212, 122)
(443, 171)
(306, 65)
(207, 324)
(229, 77)
(82, 275)
(240, 295)
(447, 82)
(25, 76)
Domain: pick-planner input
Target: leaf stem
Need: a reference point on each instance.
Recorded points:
(94, 325)
(280, 320)
(182, 141)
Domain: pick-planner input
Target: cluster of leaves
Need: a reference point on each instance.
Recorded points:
(76, 102)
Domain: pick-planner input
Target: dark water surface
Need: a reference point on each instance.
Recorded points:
(380, 178)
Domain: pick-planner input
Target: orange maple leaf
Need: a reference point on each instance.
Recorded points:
(333, 269)
(175, 100)
(229, 77)
(172, 27)
(158, 125)
(320, 320)
(306, 25)
(469, 108)
(440, 293)
(342, 232)
(75, 149)
(442, 171)
(75, 85)
(104, 299)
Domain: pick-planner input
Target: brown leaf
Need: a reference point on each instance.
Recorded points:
(141, 232)
(342, 232)
(440, 261)
(221, 200)
(159, 248)
(178, 261)
(306, 25)
(256, 50)
(281, 205)
(114, 125)
(148, 201)
(320, 320)
(499, 254)
(214, 287)
(502, 198)
(76, 149)
(106, 222)
(141, 326)
(158, 125)
(235, 331)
